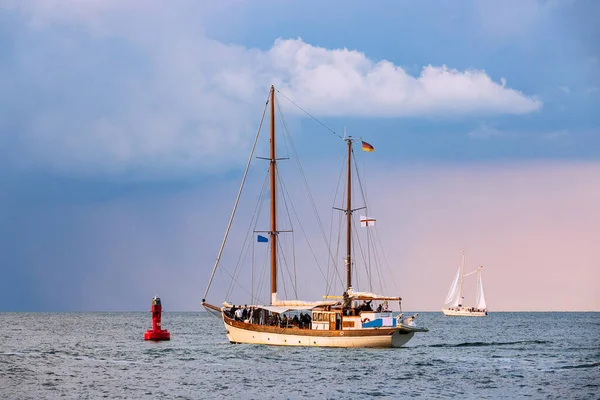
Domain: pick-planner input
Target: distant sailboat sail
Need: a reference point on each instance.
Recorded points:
(480, 296)
(453, 296)
(453, 302)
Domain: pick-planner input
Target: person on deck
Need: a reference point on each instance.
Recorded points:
(238, 314)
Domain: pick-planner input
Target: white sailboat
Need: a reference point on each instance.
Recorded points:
(454, 299)
(335, 321)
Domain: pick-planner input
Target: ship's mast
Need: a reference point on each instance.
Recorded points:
(273, 231)
(478, 293)
(349, 218)
(462, 271)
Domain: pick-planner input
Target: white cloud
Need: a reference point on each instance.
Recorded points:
(342, 82)
(138, 85)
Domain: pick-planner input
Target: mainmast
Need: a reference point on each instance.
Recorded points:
(462, 271)
(273, 231)
(478, 294)
(349, 218)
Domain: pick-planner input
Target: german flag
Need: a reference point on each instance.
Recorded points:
(367, 147)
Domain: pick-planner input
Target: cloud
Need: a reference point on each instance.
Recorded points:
(110, 88)
(485, 131)
(342, 82)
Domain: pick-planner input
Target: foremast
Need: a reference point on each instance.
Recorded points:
(349, 210)
(460, 285)
(273, 181)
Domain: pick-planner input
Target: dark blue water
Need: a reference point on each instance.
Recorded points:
(103, 355)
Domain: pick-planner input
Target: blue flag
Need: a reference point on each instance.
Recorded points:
(262, 239)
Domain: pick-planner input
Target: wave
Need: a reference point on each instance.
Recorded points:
(592, 365)
(483, 344)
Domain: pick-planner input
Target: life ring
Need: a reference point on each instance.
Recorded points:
(365, 320)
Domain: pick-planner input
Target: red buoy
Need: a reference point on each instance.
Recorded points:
(156, 333)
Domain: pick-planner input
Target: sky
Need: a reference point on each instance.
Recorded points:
(126, 125)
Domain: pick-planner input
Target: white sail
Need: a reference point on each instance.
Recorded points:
(452, 299)
(480, 296)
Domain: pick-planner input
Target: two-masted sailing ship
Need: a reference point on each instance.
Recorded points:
(454, 306)
(351, 319)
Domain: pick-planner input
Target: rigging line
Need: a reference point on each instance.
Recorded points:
(360, 184)
(355, 270)
(243, 255)
(264, 271)
(336, 271)
(337, 252)
(284, 260)
(362, 253)
(310, 115)
(387, 264)
(252, 272)
(376, 239)
(331, 282)
(285, 196)
(305, 181)
(279, 262)
(294, 261)
(379, 269)
(364, 198)
(296, 157)
(257, 213)
(302, 230)
(254, 221)
(212, 275)
(261, 279)
(370, 236)
(233, 278)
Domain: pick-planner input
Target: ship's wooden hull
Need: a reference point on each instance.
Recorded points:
(241, 332)
(463, 313)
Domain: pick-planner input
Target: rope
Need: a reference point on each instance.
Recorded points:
(308, 192)
(376, 239)
(212, 275)
(310, 115)
(249, 235)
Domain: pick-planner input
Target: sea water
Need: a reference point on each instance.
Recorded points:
(103, 355)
